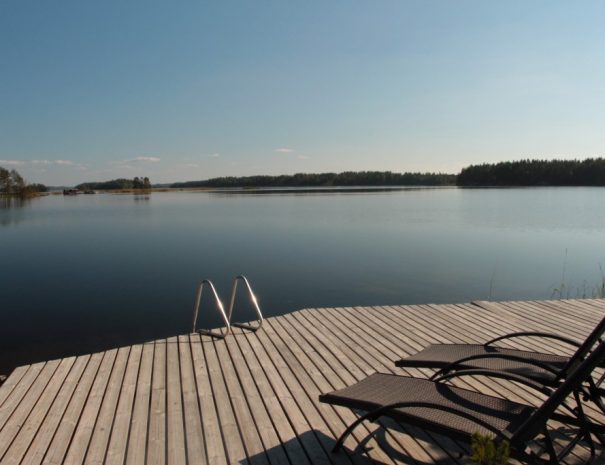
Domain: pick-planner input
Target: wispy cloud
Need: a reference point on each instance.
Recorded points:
(39, 163)
(284, 150)
(302, 157)
(12, 162)
(54, 162)
(191, 165)
(141, 159)
(215, 155)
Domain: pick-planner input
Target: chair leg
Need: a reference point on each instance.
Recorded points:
(586, 427)
(340, 441)
(594, 395)
(550, 448)
(583, 433)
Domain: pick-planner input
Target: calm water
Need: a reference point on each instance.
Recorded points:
(82, 273)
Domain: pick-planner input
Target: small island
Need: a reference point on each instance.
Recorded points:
(12, 184)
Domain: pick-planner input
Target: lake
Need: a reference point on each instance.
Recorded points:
(88, 272)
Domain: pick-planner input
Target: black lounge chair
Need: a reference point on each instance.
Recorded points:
(547, 369)
(458, 413)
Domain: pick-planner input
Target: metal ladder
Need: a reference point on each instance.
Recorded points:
(223, 332)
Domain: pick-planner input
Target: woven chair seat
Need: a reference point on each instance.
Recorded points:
(380, 389)
(442, 355)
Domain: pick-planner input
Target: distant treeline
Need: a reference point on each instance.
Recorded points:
(589, 172)
(122, 183)
(13, 184)
(348, 178)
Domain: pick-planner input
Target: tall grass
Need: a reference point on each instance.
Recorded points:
(586, 291)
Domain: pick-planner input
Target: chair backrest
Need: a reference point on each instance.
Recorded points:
(583, 370)
(584, 349)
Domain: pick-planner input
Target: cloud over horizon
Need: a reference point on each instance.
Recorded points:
(41, 163)
(12, 162)
(140, 159)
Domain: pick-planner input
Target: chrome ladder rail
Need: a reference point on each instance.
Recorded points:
(219, 306)
(259, 314)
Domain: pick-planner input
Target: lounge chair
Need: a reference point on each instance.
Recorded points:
(458, 413)
(547, 369)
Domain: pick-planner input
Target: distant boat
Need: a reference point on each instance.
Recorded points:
(71, 191)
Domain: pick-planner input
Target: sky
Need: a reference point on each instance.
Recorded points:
(190, 90)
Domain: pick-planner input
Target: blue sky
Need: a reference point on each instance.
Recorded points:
(191, 90)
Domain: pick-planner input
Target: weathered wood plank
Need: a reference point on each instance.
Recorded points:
(194, 436)
(9, 384)
(326, 373)
(213, 437)
(175, 427)
(252, 437)
(116, 451)
(310, 369)
(257, 404)
(90, 388)
(234, 443)
(156, 444)
(13, 400)
(137, 442)
(19, 415)
(100, 430)
(279, 409)
(26, 429)
(39, 445)
(302, 415)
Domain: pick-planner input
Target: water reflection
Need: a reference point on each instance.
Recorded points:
(11, 210)
(142, 197)
(321, 190)
(128, 265)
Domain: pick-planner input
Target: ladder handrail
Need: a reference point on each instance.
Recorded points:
(254, 301)
(219, 306)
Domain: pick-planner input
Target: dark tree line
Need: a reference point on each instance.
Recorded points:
(348, 178)
(12, 183)
(122, 183)
(589, 172)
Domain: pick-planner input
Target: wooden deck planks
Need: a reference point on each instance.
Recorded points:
(51, 423)
(137, 440)
(175, 428)
(94, 450)
(34, 395)
(215, 449)
(82, 400)
(196, 450)
(252, 398)
(156, 435)
(28, 424)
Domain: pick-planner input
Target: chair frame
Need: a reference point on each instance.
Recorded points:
(531, 428)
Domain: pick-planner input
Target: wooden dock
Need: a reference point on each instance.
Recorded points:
(252, 398)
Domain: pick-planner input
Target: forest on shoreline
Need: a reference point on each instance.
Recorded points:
(121, 183)
(347, 178)
(588, 172)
